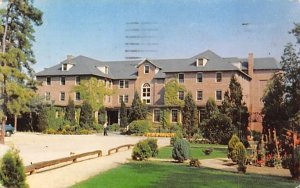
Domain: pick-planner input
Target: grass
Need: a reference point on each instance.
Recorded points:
(196, 152)
(158, 174)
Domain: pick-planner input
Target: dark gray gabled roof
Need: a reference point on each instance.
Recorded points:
(128, 69)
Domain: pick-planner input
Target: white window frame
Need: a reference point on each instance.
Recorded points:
(181, 80)
(216, 96)
(64, 67)
(123, 97)
(60, 96)
(197, 77)
(148, 68)
(155, 110)
(179, 92)
(47, 80)
(172, 116)
(197, 95)
(123, 86)
(61, 83)
(217, 76)
(146, 98)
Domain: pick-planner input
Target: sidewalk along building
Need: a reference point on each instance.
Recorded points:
(205, 75)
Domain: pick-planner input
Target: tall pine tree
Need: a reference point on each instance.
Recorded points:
(138, 110)
(70, 112)
(189, 116)
(123, 115)
(16, 55)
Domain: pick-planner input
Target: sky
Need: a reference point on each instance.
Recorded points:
(159, 29)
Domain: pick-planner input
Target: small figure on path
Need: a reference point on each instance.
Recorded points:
(105, 129)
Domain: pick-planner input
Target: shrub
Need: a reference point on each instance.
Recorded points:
(256, 135)
(195, 163)
(114, 127)
(12, 172)
(207, 151)
(51, 131)
(141, 151)
(139, 127)
(181, 150)
(152, 142)
(295, 164)
(241, 153)
(231, 147)
(174, 138)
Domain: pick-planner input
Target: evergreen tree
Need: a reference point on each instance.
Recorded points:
(210, 107)
(189, 116)
(123, 115)
(274, 110)
(42, 119)
(16, 55)
(138, 110)
(86, 115)
(70, 112)
(291, 66)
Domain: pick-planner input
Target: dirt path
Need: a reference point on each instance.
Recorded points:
(39, 147)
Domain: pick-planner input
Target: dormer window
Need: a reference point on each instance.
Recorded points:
(103, 69)
(66, 66)
(201, 62)
(106, 70)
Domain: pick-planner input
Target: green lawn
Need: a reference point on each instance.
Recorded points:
(158, 174)
(196, 152)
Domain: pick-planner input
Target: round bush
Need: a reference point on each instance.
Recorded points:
(241, 153)
(181, 150)
(231, 147)
(139, 127)
(141, 151)
(152, 142)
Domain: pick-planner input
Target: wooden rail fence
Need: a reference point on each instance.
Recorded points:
(33, 167)
(118, 148)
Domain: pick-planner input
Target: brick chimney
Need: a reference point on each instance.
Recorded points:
(69, 57)
(250, 64)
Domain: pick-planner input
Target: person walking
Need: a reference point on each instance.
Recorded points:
(105, 129)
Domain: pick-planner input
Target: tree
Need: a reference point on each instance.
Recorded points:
(86, 115)
(70, 112)
(123, 115)
(274, 110)
(42, 119)
(138, 110)
(93, 91)
(16, 55)
(210, 107)
(291, 66)
(189, 116)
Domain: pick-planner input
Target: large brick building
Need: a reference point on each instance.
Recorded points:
(204, 75)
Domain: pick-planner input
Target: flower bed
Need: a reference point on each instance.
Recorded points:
(160, 134)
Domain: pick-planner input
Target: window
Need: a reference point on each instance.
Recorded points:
(65, 67)
(219, 77)
(77, 80)
(199, 76)
(106, 70)
(156, 115)
(146, 95)
(174, 116)
(181, 78)
(123, 83)
(181, 95)
(123, 98)
(77, 96)
(218, 95)
(47, 96)
(63, 80)
(146, 69)
(109, 83)
(48, 80)
(199, 95)
(62, 96)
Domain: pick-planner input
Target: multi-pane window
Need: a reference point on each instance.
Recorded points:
(123, 98)
(199, 77)
(77, 96)
(62, 96)
(181, 78)
(157, 115)
(63, 80)
(181, 95)
(199, 95)
(147, 69)
(218, 77)
(174, 114)
(48, 81)
(218, 95)
(47, 96)
(146, 95)
(77, 80)
(123, 83)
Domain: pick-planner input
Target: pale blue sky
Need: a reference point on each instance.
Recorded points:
(97, 28)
